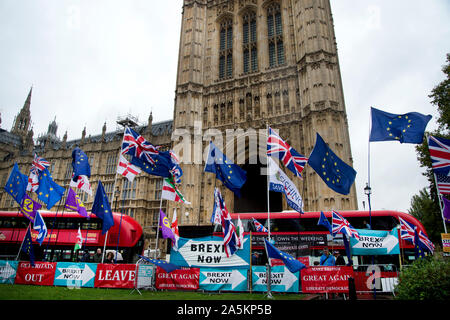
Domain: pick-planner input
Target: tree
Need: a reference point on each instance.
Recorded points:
(425, 206)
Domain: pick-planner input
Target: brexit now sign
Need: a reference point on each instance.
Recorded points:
(375, 242)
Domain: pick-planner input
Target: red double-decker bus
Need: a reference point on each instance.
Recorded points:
(62, 235)
(299, 235)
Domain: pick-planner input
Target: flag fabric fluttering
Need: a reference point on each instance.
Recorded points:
(446, 210)
(217, 208)
(166, 266)
(78, 241)
(175, 231)
(16, 184)
(170, 192)
(80, 164)
(73, 202)
(29, 208)
(231, 175)
(126, 169)
(425, 243)
(440, 155)
(336, 174)
(405, 128)
(277, 147)
(407, 230)
(165, 226)
(443, 183)
(101, 208)
(135, 145)
(40, 226)
(341, 225)
(164, 165)
(324, 222)
(290, 262)
(240, 232)
(49, 192)
(280, 182)
(27, 246)
(38, 165)
(82, 183)
(258, 226)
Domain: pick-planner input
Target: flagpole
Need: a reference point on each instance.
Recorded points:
(268, 182)
(21, 245)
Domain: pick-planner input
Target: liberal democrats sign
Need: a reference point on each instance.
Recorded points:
(375, 242)
(209, 252)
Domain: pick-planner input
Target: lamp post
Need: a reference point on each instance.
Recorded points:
(368, 192)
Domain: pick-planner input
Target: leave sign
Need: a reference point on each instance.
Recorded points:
(76, 275)
(115, 275)
(215, 279)
(375, 242)
(209, 252)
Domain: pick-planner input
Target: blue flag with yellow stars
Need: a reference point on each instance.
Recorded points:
(405, 128)
(49, 192)
(164, 165)
(27, 246)
(102, 209)
(167, 266)
(17, 184)
(291, 263)
(231, 175)
(80, 164)
(337, 175)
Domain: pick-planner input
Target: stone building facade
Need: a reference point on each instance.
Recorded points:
(243, 65)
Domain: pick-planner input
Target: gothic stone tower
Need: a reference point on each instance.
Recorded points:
(245, 64)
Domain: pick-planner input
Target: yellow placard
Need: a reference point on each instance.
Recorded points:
(445, 242)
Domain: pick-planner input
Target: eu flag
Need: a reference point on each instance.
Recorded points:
(324, 222)
(231, 175)
(48, 191)
(102, 209)
(27, 246)
(17, 184)
(164, 165)
(80, 164)
(337, 175)
(167, 266)
(291, 263)
(405, 128)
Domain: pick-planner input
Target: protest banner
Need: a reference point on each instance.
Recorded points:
(282, 280)
(115, 275)
(325, 279)
(8, 271)
(180, 279)
(215, 279)
(42, 274)
(70, 274)
(145, 276)
(209, 252)
(375, 242)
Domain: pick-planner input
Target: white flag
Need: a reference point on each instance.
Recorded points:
(174, 227)
(279, 182)
(126, 169)
(82, 183)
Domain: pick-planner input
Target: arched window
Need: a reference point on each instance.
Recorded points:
(275, 35)
(226, 49)
(249, 42)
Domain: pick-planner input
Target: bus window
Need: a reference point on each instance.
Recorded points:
(285, 225)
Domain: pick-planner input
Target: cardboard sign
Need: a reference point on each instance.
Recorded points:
(325, 279)
(180, 279)
(282, 280)
(215, 279)
(42, 274)
(77, 275)
(115, 275)
(209, 252)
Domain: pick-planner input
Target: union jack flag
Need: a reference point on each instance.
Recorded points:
(292, 160)
(440, 155)
(341, 225)
(258, 226)
(443, 183)
(37, 166)
(425, 242)
(230, 237)
(407, 230)
(134, 144)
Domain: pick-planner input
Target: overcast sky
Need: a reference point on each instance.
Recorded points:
(92, 61)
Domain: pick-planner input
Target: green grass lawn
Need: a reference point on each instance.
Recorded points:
(27, 292)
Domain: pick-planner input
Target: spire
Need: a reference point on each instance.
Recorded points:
(28, 101)
(22, 122)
